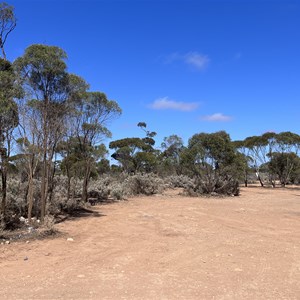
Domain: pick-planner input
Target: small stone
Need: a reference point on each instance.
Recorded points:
(7, 242)
(80, 276)
(27, 242)
(70, 239)
(25, 258)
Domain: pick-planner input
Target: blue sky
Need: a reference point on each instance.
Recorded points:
(183, 67)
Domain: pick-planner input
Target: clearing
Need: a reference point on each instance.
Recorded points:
(166, 247)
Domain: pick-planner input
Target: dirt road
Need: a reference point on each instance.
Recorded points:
(166, 247)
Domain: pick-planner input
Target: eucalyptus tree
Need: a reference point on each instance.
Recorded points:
(212, 159)
(29, 148)
(8, 23)
(93, 112)
(136, 154)
(288, 142)
(172, 147)
(267, 147)
(260, 150)
(285, 160)
(245, 157)
(8, 121)
(43, 74)
(284, 165)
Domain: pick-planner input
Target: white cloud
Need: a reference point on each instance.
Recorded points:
(217, 117)
(166, 103)
(195, 59)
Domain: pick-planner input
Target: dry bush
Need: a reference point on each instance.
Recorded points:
(146, 184)
(180, 181)
(100, 188)
(117, 191)
(60, 202)
(217, 187)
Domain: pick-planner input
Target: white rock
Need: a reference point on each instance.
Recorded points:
(70, 239)
(7, 242)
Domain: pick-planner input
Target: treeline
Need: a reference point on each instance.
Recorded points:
(52, 129)
(213, 158)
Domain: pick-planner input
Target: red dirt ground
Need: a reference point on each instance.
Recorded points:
(166, 247)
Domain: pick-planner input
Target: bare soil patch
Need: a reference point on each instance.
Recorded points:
(166, 247)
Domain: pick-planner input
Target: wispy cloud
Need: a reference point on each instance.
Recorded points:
(166, 103)
(217, 117)
(195, 59)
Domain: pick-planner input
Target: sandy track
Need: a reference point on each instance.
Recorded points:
(166, 247)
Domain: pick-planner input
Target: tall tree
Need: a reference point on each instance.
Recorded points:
(244, 155)
(172, 147)
(7, 24)
(30, 144)
(93, 112)
(8, 121)
(42, 70)
(212, 159)
(136, 154)
(284, 159)
(259, 149)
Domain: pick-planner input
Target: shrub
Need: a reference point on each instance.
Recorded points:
(117, 191)
(100, 188)
(146, 184)
(180, 181)
(222, 187)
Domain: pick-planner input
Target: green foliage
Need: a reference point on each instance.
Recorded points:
(170, 158)
(273, 152)
(8, 90)
(284, 165)
(43, 70)
(212, 160)
(7, 24)
(136, 154)
(103, 166)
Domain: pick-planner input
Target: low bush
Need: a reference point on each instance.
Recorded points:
(145, 184)
(180, 181)
(214, 187)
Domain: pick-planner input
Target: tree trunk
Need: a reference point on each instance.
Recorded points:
(51, 181)
(68, 188)
(44, 189)
(4, 183)
(85, 183)
(44, 167)
(4, 189)
(259, 178)
(2, 50)
(246, 179)
(30, 198)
